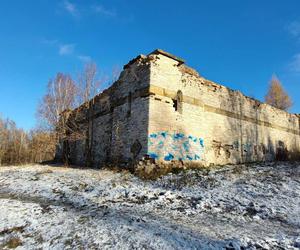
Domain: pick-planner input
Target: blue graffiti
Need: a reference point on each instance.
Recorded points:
(153, 135)
(194, 139)
(186, 146)
(168, 146)
(189, 157)
(164, 134)
(161, 144)
(201, 142)
(236, 145)
(169, 157)
(178, 136)
(153, 155)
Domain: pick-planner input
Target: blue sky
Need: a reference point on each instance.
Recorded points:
(239, 44)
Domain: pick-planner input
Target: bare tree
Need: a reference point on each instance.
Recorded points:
(277, 96)
(68, 109)
(88, 83)
(41, 145)
(19, 147)
(65, 114)
(88, 86)
(55, 109)
(60, 96)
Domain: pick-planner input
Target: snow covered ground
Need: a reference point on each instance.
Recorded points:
(233, 207)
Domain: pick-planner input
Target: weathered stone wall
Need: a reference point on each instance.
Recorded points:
(164, 110)
(212, 124)
(118, 126)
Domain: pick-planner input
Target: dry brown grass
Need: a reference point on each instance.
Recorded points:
(152, 171)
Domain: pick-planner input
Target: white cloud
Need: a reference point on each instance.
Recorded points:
(99, 9)
(295, 64)
(294, 29)
(66, 49)
(70, 7)
(84, 58)
(104, 11)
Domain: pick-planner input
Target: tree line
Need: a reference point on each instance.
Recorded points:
(20, 147)
(65, 94)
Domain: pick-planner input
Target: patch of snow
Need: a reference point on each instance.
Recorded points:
(233, 207)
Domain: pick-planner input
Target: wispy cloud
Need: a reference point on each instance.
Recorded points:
(66, 49)
(83, 10)
(100, 9)
(294, 29)
(294, 66)
(70, 7)
(84, 58)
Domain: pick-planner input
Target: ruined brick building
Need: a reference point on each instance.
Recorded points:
(161, 109)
